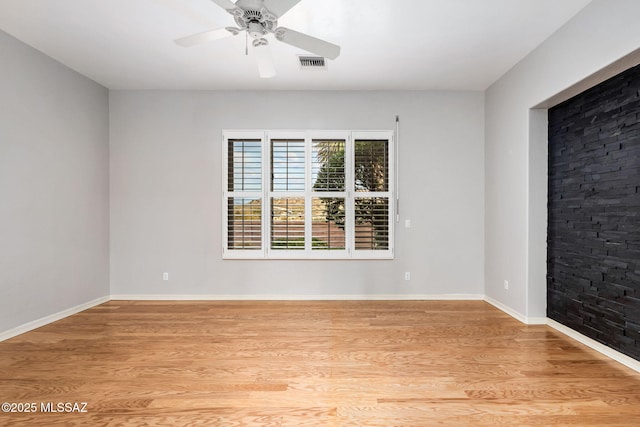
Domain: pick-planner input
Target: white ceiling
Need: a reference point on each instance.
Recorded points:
(386, 44)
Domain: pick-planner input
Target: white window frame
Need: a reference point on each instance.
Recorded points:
(266, 252)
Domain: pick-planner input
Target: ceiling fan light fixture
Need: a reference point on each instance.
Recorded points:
(255, 30)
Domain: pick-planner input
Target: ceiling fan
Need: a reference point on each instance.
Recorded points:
(260, 18)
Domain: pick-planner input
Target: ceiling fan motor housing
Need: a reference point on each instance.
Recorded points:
(253, 16)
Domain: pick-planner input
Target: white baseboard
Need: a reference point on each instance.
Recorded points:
(380, 297)
(51, 318)
(595, 345)
(515, 314)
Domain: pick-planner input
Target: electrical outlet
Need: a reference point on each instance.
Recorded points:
(165, 276)
(506, 285)
(407, 223)
(407, 275)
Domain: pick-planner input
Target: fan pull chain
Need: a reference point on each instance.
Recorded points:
(246, 43)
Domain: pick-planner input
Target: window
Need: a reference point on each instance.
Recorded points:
(293, 195)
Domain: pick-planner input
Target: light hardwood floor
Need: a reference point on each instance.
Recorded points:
(355, 363)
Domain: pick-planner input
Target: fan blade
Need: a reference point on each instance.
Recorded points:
(225, 4)
(280, 7)
(207, 36)
(308, 43)
(265, 61)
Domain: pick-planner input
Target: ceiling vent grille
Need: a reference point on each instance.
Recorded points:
(312, 63)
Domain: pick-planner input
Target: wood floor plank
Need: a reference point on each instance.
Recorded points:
(311, 363)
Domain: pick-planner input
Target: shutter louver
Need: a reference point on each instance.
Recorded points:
(244, 223)
(244, 176)
(372, 223)
(371, 165)
(372, 213)
(287, 223)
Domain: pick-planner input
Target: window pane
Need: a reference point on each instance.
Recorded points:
(371, 165)
(372, 223)
(328, 228)
(287, 165)
(287, 223)
(244, 223)
(328, 165)
(244, 165)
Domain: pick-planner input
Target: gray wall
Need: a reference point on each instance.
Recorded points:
(515, 151)
(166, 193)
(54, 206)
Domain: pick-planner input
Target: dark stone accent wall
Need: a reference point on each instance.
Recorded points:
(593, 258)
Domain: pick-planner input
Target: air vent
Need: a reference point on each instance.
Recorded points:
(312, 63)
